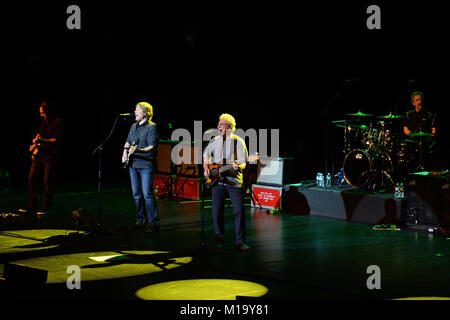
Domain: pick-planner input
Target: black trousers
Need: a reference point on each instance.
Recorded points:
(219, 193)
(45, 165)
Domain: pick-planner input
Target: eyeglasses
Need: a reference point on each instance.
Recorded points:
(220, 124)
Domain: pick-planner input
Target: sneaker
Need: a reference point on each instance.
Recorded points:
(242, 247)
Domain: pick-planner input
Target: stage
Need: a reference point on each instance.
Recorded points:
(323, 253)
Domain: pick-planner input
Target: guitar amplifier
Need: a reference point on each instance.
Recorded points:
(161, 184)
(275, 172)
(193, 170)
(189, 168)
(163, 157)
(266, 197)
(187, 188)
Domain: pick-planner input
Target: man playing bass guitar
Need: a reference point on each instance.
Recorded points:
(227, 148)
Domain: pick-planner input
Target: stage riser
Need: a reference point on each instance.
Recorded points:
(362, 208)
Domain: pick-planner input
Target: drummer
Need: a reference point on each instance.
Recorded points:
(418, 119)
(421, 145)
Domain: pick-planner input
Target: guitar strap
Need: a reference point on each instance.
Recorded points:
(234, 150)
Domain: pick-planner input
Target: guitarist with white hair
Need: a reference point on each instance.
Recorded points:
(227, 150)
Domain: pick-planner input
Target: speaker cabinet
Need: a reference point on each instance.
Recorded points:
(275, 172)
(163, 157)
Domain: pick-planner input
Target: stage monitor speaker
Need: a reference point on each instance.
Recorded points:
(275, 172)
(15, 273)
(428, 200)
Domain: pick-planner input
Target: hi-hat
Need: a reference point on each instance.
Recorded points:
(360, 114)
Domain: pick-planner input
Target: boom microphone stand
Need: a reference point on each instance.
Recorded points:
(99, 151)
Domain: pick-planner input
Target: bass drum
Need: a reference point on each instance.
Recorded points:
(362, 166)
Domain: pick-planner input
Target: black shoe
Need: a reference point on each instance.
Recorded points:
(27, 211)
(152, 228)
(219, 243)
(242, 247)
(43, 211)
(136, 226)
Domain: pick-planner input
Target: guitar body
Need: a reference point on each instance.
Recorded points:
(218, 172)
(215, 175)
(34, 148)
(129, 161)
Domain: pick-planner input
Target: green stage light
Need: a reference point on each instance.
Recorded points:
(423, 298)
(106, 264)
(201, 289)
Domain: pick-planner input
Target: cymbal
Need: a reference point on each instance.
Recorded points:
(391, 116)
(420, 134)
(353, 126)
(360, 114)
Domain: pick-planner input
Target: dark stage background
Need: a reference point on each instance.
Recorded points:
(292, 66)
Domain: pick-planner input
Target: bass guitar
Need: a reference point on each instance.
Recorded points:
(219, 171)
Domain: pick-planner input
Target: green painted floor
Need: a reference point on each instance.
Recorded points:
(293, 257)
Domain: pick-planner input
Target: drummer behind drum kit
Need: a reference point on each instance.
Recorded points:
(375, 153)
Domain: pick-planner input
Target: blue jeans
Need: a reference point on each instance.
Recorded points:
(142, 186)
(219, 193)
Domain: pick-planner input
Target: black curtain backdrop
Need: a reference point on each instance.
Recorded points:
(288, 66)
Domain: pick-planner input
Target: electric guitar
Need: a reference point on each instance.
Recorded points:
(34, 148)
(217, 171)
(129, 161)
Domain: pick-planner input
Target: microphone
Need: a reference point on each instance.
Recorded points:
(215, 131)
(126, 114)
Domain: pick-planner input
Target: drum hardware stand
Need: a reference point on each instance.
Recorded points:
(420, 166)
(340, 178)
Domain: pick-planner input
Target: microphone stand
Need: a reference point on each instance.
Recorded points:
(203, 242)
(99, 151)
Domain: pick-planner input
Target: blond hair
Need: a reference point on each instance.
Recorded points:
(147, 108)
(229, 118)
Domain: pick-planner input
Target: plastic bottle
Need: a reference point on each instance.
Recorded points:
(321, 180)
(401, 190)
(318, 179)
(156, 192)
(328, 181)
(397, 190)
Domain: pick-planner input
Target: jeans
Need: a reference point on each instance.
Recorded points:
(47, 166)
(219, 193)
(142, 186)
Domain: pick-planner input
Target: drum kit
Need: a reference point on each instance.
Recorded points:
(376, 153)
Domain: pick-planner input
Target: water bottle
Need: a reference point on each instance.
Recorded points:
(401, 190)
(156, 193)
(397, 190)
(328, 181)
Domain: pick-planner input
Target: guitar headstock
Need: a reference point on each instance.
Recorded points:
(253, 157)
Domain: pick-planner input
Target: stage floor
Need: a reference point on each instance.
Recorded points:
(292, 256)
